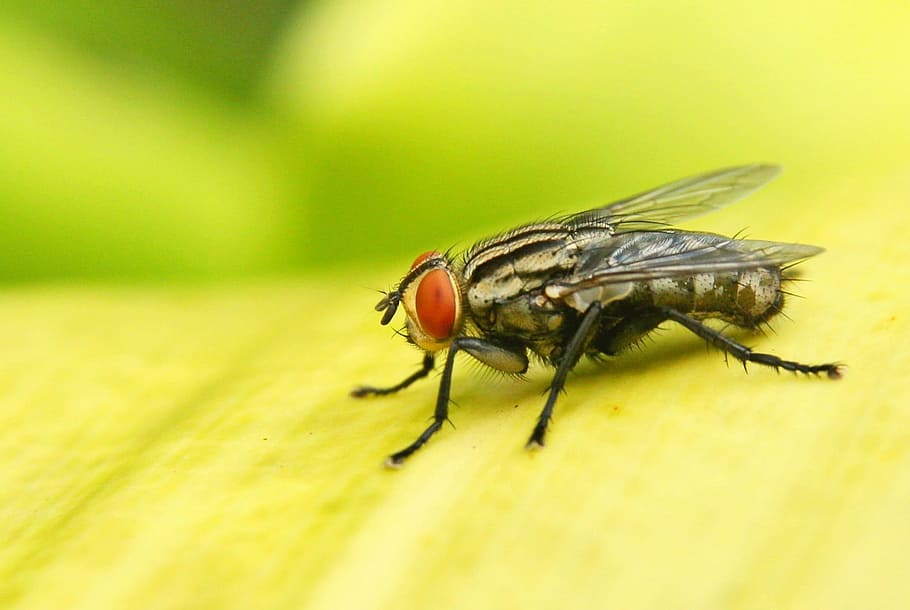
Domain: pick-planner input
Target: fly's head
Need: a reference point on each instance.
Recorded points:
(431, 297)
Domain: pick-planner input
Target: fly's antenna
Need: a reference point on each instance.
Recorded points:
(389, 305)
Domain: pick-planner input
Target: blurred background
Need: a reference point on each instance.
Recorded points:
(200, 140)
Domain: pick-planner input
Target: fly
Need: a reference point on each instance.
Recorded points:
(594, 283)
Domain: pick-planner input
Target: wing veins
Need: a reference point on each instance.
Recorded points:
(639, 257)
(682, 199)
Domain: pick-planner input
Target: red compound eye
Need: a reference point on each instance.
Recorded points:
(423, 257)
(435, 303)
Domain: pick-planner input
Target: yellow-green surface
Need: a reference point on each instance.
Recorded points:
(196, 448)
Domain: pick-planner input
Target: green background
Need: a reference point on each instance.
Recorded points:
(198, 199)
(210, 140)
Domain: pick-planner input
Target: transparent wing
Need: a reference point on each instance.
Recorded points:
(673, 202)
(660, 254)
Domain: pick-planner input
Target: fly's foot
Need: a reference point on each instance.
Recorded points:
(533, 445)
(835, 370)
(393, 463)
(367, 390)
(396, 460)
(536, 442)
(423, 371)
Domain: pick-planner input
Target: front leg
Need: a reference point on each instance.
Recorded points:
(498, 357)
(440, 415)
(367, 390)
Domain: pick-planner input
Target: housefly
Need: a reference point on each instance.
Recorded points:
(594, 283)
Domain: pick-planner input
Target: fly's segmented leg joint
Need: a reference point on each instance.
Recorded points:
(440, 415)
(745, 354)
(569, 359)
(425, 368)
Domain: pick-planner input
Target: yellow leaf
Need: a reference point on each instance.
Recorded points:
(197, 448)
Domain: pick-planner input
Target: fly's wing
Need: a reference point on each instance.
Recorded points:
(671, 203)
(648, 255)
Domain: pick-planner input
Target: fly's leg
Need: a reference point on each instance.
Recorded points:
(745, 354)
(511, 359)
(569, 359)
(425, 368)
(440, 415)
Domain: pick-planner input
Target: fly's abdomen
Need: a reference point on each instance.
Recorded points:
(745, 298)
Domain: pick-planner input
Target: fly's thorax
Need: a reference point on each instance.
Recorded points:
(527, 317)
(432, 299)
(517, 263)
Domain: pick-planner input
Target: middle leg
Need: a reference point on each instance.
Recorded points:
(569, 360)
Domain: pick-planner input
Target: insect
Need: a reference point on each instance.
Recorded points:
(594, 283)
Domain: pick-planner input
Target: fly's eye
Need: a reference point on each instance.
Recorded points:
(423, 257)
(435, 304)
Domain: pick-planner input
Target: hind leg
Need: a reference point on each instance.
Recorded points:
(745, 354)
